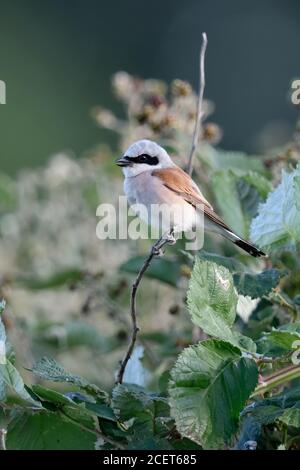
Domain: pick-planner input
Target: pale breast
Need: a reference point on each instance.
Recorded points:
(149, 191)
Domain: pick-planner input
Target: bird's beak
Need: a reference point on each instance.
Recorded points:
(123, 161)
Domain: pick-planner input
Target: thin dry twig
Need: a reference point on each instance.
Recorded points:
(199, 105)
(156, 250)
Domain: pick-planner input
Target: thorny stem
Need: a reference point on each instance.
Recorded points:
(199, 105)
(156, 250)
(276, 379)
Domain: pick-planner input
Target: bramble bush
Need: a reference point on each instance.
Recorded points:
(217, 361)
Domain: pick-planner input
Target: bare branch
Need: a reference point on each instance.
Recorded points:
(199, 105)
(156, 250)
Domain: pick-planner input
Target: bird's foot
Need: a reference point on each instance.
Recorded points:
(170, 237)
(171, 240)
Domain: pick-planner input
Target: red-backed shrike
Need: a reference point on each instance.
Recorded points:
(151, 178)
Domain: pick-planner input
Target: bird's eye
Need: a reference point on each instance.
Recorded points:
(146, 159)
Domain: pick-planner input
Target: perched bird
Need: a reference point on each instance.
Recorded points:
(152, 178)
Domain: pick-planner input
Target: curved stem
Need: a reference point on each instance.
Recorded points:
(156, 250)
(276, 379)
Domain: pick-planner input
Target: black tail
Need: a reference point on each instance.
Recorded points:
(246, 246)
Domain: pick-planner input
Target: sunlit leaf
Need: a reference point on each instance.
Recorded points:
(212, 302)
(13, 380)
(281, 340)
(277, 225)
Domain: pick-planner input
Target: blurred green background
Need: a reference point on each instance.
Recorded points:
(57, 58)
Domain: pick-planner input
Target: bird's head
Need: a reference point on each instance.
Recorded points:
(144, 155)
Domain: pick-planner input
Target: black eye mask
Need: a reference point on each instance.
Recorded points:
(143, 158)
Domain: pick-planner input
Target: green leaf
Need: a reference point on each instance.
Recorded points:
(266, 411)
(262, 319)
(71, 335)
(8, 194)
(56, 280)
(2, 390)
(2, 337)
(162, 269)
(2, 352)
(212, 301)
(10, 377)
(80, 410)
(228, 200)
(103, 411)
(51, 395)
(47, 431)
(287, 399)
(49, 369)
(230, 263)
(280, 340)
(238, 195)
(291, 417)
(253, 421)
(144, 412)
(212, 298)
(225, 160)
(259, 182)
(256, 285)
(283, 339)
(249, 199)
(239, 161)
(277, 225)
(209, 386)
(297, 190)
(291, 327)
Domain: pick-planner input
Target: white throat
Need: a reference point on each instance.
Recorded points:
(138, 168)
